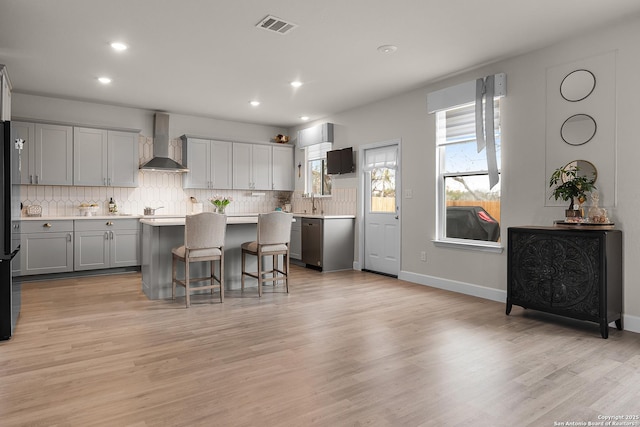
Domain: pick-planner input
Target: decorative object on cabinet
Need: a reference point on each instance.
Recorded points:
(577, 85)
(572, 186)
(575, 273)
(578, 129)
(281, 139)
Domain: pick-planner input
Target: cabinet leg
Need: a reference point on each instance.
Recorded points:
(508, 311)
(619, 324)
(604, 330)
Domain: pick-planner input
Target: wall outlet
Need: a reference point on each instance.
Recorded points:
(423, 256)
(408, 194)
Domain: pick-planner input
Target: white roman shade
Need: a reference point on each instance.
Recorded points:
(383, 157)
(318, 151)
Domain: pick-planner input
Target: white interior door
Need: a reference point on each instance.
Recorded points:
(382, 210)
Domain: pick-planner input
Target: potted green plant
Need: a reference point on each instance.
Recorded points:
(571, 186)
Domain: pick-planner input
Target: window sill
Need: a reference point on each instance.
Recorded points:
(469, 245)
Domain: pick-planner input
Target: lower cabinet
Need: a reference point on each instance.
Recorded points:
(575, 273)
(106, 244)
(46, 247)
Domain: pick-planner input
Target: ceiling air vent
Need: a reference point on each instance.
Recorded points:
(273, 23)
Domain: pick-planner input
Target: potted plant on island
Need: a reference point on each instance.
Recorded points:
(571, 186)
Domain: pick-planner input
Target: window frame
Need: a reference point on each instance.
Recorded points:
(308, 186)
(441, 203)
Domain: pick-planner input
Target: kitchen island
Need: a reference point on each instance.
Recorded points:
(160, 235)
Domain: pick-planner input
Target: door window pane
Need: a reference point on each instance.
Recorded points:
(383, 190)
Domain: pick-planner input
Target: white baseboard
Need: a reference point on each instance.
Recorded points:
(630, 323)
(455, 286)
(356, 266)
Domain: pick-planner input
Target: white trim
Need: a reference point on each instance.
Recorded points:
(492, 294)
(630, 323)
(470, 245)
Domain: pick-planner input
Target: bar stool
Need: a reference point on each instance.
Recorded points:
(204, 235)
(274, 234)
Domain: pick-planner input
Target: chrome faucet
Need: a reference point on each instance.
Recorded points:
(313, 204)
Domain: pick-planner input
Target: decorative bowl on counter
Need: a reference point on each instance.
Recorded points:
(88, 210)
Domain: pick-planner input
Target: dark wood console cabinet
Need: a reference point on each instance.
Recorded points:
(570, 272)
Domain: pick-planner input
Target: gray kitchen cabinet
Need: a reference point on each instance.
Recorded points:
(105, 157)
(46, 247)
(209, 162)
(327, 243)
(47, 153)
(252, 166)
(108, 243)
(15, 241)
(27, 132)
(282, 168)
(315, 135)
(295, 245)
(52, 159)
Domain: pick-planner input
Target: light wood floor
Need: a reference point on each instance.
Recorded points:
(343, 349)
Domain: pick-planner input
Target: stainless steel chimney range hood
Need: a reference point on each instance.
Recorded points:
(161, 161)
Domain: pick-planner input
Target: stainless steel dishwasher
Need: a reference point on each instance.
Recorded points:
(312, 241)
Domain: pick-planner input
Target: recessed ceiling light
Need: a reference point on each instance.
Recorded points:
(119, 46)
(254, 103)
(304, 118)
(387, 48)
(296, 83)
(104, 80)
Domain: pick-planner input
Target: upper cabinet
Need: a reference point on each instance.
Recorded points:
(105, 157)
(315, 135)
(52, 158)
(283, 167)
(209, 163)
(26, 132)
(252, 166)
(122, 158)
(66, 155)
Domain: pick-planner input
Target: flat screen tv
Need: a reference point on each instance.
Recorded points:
(340, 161)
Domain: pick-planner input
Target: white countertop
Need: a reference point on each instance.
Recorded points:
(159, 222)
(246, 218)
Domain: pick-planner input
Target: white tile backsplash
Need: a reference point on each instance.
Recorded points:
(157, 189)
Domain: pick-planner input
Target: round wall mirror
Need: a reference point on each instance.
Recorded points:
(577, 85)
(578, 129)
(585, 168)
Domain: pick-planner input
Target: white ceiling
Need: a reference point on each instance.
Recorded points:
(207, 58)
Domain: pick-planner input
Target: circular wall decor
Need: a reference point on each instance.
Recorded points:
(577, 85)
(585, 168)
(578, 129)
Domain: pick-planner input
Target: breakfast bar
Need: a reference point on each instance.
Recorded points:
(160, 235)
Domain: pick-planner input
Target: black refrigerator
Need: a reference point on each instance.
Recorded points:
(10, 292)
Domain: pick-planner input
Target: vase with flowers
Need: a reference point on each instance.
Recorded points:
(572, 187)
(220, 202)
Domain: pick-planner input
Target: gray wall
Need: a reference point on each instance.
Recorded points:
(524, 179)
